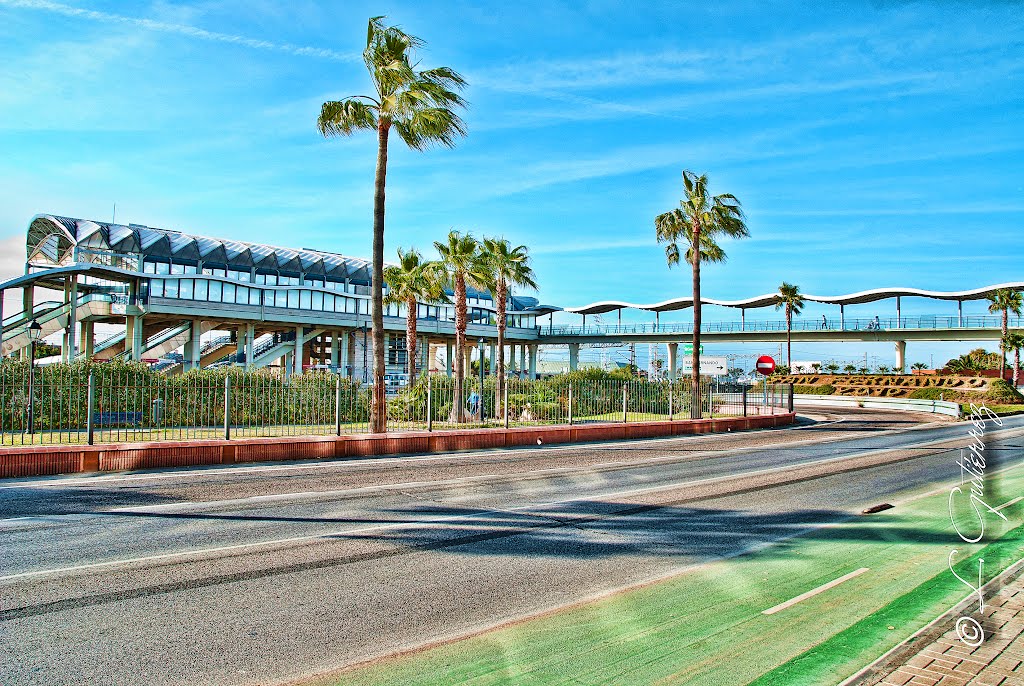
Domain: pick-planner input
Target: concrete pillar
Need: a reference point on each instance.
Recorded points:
(299, 355)
(192, 354)
(28, 298)
(842, 318)
(901, 356)
(899, 324)
(349, 354)
(87, 339)
(240, 341)
(287, 363)
(468, 354)
(574, 356)
(743, 319)
(673, 357)
(511, 359)
(72, 297)
(533, 362)
(494, 359)
(336, 358)
(960, 313)
(250, 345)
(522, 357)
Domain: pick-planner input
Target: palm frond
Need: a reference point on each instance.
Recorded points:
(343, 117)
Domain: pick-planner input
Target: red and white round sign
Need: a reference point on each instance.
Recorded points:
(765, 365)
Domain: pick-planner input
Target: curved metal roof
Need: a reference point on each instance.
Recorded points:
(770, 299)
(53, 239)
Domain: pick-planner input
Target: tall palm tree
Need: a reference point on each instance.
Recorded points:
(460, 265)
(503, 267)
(1014, 341)
(700, 218)
(420, 105)
(1005, 300)
(410, 282)
(789, 297)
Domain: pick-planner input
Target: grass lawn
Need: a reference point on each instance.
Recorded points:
(707, 626)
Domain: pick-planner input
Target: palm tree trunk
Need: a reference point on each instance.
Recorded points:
(789, 338)
(1002, 353)
(499, 388)
(379, 410)
(695, 408)
(410, 339)
(458, 413)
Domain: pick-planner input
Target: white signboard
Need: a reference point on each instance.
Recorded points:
(709, 366)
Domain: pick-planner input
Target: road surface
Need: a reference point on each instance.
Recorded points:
(274, 573)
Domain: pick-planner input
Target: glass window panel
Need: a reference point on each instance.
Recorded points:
(156, 288)
(280, 298)
(190, 269)
(216, 288)
(293, 299)
(318, 301)
(305, 300)
(171, 288)
(229, 293)
(201, 289)
(177, 269)
(254, 295)
(186, 289)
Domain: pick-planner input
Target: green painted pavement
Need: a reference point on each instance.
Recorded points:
(706, 626)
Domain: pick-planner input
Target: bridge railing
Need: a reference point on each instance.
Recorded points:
(922, 322)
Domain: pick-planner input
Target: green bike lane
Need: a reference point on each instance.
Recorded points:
(871, 581)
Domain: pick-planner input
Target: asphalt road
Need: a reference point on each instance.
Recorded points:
(270, 573)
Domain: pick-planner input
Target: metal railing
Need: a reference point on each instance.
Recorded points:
(925, 322)
(82, 404)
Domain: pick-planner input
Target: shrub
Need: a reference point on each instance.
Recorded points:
(927, 394)
(999, 391)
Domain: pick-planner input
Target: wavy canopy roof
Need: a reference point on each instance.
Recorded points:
(770, 299)
(53, 239)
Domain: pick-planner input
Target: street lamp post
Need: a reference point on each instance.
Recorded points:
(35, 332)
(480, 347)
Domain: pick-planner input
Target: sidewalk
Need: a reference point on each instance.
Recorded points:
(936, 657)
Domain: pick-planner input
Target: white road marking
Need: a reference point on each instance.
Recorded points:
(1011, 502)
(400, 525)
(810, 594)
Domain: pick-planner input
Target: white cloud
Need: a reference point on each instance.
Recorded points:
(181, 29)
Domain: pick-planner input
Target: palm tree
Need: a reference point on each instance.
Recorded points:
(410, 282)
(849, 369)
(420, 104)
(790, 298)
(503, 267)
(919, 366)
(699, 219)
(831, 367)
(1014, 341)
(1005, 300)
(460, 266)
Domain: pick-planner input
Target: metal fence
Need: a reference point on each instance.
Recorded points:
(72, 404)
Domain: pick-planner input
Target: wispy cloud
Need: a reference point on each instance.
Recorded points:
(180, 29)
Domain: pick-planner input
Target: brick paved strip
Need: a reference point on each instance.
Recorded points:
(934, 656)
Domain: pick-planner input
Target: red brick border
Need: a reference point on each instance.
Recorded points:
(24, 461)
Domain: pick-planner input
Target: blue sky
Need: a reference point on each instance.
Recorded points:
(872, 145)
